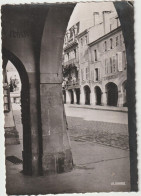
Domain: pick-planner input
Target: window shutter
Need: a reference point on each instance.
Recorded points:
(114, 64)
(98, 55)
(120, 68)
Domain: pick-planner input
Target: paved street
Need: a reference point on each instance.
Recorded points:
(96, 115)
(100, 155)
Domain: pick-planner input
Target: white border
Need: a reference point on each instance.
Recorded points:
(138, 96)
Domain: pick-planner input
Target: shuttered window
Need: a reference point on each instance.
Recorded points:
(119, 61)
(114, 64)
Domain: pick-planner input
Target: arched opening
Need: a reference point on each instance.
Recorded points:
(112, 94)
(87, 92)
(71, 96)
(124, 90)
(77, 91)
(25, 110)
(98, 95)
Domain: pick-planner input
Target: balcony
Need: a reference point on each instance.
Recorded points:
(73, 61)
(72, 84)
(71, 42)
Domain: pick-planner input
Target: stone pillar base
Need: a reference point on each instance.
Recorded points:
(11, 136)
(59, 162)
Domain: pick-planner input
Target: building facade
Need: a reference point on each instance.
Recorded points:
(95, 66)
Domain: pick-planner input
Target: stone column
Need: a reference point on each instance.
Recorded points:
(120, 99)
(74, 96)
(56, 150)
(31, 132)
(104, 98)
(57, 155)
(93, 97)
(82, 96)
(68, 100)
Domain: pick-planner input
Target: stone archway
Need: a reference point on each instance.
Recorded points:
(112, 94)
(25, 110)
(87, 92)
(98, 94)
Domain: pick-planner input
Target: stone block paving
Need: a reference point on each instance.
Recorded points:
(111, 134)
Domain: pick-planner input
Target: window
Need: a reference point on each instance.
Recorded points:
(105, 46)
(106, 68)
(114, 64)
(96, 74)
(117, 41)
(111, 43)
(110, 65)
(120, 64)
(74, 53)
(95, 55)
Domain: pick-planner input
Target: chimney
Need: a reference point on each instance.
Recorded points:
(96, 15)
(104, 19)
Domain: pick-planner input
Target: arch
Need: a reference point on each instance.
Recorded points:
(112, 94)
(98, 93)
(87, 92)
(25, 109)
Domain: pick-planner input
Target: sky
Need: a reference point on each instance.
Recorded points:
(84, 12)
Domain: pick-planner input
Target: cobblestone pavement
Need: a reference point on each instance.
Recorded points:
(111, 134)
